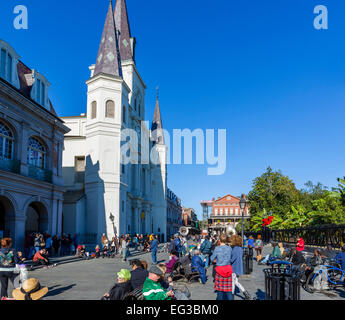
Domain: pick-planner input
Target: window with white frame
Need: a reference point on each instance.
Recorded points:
(231, 211)
(6, 65)
(236, 211)
(215, 211)
(36, 153)
(6, 142)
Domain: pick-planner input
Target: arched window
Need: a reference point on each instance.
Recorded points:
(36, 153)
(93, 110)
(110, 109)
(6, 142)
(124, 114)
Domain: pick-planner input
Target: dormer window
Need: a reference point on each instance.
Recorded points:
(8, 64)
(6, 67)
(39, 92)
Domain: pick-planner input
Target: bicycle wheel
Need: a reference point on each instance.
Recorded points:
(335, 278)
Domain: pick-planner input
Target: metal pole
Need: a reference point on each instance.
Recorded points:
(242, 228)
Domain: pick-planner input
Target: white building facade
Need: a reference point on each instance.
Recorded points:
(31, 144)
(104, 193)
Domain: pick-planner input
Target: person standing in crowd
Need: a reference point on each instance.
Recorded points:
(104, 240)
(178, 245)
(237, 265)
(121, 288)
(138, 274)
(56, 244)
(27, 245)
(152, 289)
(124, 246)
(63, 242)
(154, 248)
(49, 245)
(171, 246)
(205, 249)
(300, 244)
(223, 270)
(37, 242)
(75, 242)
(8, 261)
(69, 244)
(258, 248)
(251, 242)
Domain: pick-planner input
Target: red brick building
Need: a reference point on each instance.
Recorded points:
(225, 211)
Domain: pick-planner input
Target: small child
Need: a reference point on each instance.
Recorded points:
(20, 257)
(98, 251)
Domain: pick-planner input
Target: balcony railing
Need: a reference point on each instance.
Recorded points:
(40, 174)
(10, 165)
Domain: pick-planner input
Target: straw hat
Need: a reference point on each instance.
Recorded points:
(30, 290)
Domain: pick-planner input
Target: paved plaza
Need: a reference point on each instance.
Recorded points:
(89, 280)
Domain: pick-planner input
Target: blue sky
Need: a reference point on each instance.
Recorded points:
(256, 68)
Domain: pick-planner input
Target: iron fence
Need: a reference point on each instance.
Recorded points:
(333, 235)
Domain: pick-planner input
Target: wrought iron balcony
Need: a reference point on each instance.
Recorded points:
(39, 174)
(10, 165)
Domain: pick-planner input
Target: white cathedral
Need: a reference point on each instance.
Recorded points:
(103, 195)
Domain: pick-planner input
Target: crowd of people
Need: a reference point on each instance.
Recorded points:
(222, 253)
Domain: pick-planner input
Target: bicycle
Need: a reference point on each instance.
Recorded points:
(332, 272)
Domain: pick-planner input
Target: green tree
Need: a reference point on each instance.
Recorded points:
(272, 192)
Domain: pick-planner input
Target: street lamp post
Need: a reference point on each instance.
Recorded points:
(112, 218)
(243, 203)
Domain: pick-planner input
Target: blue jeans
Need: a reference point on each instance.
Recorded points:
(37, 249)
(221, 295)
(154, 256)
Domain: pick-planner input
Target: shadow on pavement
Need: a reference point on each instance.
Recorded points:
(58, 290)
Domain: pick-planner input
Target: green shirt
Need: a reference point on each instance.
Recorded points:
(153, 291)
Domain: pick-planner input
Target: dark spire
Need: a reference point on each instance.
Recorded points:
(108, 59)
(123, 29)
(157, 125)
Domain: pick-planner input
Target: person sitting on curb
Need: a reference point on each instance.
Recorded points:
(152, 290)
(121, 288)
(41, 258)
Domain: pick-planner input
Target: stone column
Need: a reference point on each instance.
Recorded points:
(19, 230)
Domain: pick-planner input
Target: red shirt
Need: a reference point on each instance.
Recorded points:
(300, 245)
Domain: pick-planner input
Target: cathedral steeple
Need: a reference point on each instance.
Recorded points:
(108, 59)
(157, 125)
(126, 43)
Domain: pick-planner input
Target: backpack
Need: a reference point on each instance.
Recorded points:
(6, 259)
(178, 244)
